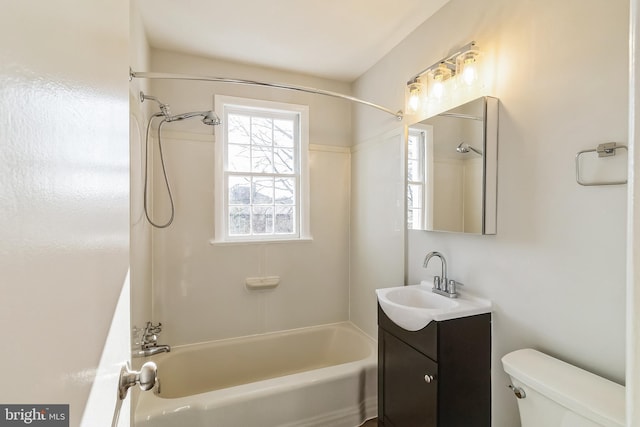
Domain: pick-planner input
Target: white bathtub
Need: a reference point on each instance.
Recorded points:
(318, 376)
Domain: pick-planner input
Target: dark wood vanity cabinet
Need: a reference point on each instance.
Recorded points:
(439, 376)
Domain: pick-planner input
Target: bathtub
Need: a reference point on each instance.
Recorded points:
(317, 376)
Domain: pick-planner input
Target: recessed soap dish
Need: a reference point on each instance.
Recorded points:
(257, 283)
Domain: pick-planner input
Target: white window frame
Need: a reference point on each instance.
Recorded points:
(425, 157)
(421, 181)
(223, 105)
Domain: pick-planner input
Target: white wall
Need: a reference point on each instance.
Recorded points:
(64, 197)
(377, 224)
(199, 291)
(555, 270)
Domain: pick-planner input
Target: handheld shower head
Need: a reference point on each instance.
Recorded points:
(211, 119)
(208, 117)
(463, 147)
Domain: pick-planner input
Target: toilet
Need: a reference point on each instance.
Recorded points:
(552, 393)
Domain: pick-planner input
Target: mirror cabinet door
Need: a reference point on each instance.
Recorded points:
(452, 170)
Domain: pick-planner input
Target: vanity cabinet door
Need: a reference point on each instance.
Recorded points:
(410, 400)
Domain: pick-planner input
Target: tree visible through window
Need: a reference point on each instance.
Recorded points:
(263, 171)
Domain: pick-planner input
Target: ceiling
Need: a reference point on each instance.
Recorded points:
(337, 39)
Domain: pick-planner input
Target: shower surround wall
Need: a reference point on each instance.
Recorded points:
(199, 291)
(556, 269)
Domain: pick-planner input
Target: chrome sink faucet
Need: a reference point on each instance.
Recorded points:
(149, 340)
(442, 285)
(437, 281)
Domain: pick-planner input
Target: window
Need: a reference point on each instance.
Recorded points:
(261, 170)
(415, 180)
(419, 178)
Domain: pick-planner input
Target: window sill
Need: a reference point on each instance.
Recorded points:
(214, 242)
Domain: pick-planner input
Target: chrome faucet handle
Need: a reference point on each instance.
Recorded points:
(436, 283)
(151, 329)
(154, 328)
(151, 338)
(452, 285)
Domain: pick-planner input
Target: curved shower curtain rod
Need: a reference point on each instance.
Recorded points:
(170, 76)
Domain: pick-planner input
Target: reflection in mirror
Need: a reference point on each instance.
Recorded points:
(452, 170)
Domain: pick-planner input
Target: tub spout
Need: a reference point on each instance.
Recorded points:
(149, 341)
(150, 351)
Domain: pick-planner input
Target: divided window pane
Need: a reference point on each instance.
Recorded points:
(262, 190)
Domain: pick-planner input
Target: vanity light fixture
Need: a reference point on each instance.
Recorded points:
(459, 69)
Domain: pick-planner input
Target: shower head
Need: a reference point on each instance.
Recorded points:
(211, 119)
(208, 117)
(463, 147)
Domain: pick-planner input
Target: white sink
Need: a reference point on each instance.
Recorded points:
(412, 296)
(414, 307)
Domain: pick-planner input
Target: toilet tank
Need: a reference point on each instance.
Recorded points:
(561, 395)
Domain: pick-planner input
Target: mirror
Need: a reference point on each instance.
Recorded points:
(452, 170)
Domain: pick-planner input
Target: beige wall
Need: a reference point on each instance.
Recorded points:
(556, 269)
(199, 289)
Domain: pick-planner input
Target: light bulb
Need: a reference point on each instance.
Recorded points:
(414, 96)
(469, 75)
(438, 78)
(438, 89)
(467, 67)
(414, 101)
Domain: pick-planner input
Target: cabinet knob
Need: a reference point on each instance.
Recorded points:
(428, 378)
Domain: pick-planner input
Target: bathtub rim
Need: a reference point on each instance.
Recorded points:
(344, 323)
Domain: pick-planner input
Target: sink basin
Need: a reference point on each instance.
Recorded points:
(414, 307)
(411, 296)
